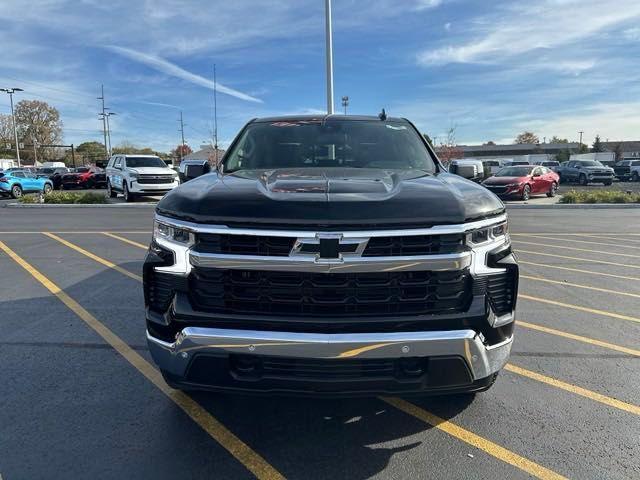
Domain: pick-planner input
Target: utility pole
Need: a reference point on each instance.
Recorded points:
(10, 91)
(215, 115)
(329, 51)
(345, 103)
(580, 132)
(182, 134)
(103, 115)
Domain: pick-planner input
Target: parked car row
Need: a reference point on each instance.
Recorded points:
(15, 182)
(522, 181)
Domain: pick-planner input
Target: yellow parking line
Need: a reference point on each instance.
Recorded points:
(241, 451)
(579, 270)
(555, 239)
(487, 446)
(583, 392)
(607, 237)
(104, 262)
(578, 338)
(604, 313)
(578, 234)
(125, 240)
(589, 260)
(577, 285)
(74, 231)
(579, 249)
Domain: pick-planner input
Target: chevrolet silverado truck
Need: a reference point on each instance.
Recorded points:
(330, 255)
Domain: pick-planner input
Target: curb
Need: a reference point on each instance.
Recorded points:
(80, 205)
(569, 206)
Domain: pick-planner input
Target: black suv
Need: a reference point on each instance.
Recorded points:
(330, 255)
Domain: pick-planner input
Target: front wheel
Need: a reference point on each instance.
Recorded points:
(553, 190)
(47, 188)
(128, 196)
(16, 191)
(526, 192)
(582, 180)
(111, 193)
(635, 177)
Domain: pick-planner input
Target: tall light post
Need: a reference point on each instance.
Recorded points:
(581, 132)
(11, 91)
(329, 48)
(107, 115)
(345, 103)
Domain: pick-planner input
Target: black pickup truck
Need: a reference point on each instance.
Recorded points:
(330, 255)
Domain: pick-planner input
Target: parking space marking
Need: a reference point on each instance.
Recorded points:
(579, 270)
(473, 439)
(603, 313)
(588, 260)
(555, 239)
(75, 231)
(577, 285)
(126, 240)
(100, 260)
(579, 249)
(578, 338)
(605, 237)
(583, 392)
(236, 447)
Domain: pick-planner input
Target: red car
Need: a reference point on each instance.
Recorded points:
(85, 177)
(522, 181)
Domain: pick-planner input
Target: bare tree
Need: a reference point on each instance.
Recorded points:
(527, 137)
(40, 122)
(448, 149)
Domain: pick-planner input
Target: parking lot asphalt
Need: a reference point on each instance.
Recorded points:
(82, 399)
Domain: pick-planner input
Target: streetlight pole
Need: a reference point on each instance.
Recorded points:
(580, 132)
(104, 121)
(329, 48)
(182, 135)
(107, 115)
(10, 91)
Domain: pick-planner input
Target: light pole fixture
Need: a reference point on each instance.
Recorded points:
(329, 52)
(345, 103)
(107, 115)
(11, 91)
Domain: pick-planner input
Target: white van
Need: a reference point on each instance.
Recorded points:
(53, 165)
(456, 167)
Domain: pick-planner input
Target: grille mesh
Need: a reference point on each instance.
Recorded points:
(332, 294)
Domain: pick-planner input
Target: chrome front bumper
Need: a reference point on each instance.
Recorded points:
(482, 360)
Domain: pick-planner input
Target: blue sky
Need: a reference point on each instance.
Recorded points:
(491, 69)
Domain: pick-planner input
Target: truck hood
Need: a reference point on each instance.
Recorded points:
(151, 170)
(325, 197)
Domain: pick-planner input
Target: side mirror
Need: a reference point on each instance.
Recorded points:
(195, 171)
(466, 171)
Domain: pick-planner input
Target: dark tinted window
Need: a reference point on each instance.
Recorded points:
(140, 162)
(335, 143)
(589, 163)
(514, 172)
(82, 169)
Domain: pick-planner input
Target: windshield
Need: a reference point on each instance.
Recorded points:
(46, 170)
(82, 170)
(514, 172)
(139, 162)
(336, 143)
(591, 163)
(550, 164)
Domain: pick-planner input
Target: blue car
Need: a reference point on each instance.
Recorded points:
(17, 182)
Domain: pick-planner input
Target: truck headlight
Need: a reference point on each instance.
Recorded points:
(134, 175)
(493, 234)
(173, 234)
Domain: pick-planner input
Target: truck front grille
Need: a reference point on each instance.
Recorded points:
(155, 179)
(332, 294)
(376, 247)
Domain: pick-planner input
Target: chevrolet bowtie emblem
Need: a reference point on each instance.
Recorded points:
(329, 247)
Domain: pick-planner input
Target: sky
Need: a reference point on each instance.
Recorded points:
(489, 69)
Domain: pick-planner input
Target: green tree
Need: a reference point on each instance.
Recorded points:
(528, 138)
(563, 155)
(555, 139)
(583, 148)
(597, 145)
(90, 152)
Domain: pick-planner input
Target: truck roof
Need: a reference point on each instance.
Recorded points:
(324, 118)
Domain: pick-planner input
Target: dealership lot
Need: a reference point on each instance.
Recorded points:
(82, 399)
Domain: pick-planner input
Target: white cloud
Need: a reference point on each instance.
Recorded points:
(632, 34)
(424, 4)
(447, 26)
(169, 68)
(523, 27)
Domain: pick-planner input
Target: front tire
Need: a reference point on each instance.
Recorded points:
(47, 189)
(526, 193)
(635, 177)
(111, 193)
(582, 180)
(16, 191)
(128, 196)
(553, 190)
